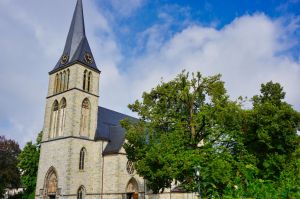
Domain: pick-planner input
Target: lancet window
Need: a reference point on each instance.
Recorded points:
(81, 192)
(61, 82)
(85, 117)
(87, 81)
(62, 116)
(54, 119)
(58, 117)
(82, 158)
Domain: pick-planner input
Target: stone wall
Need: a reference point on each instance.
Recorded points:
(63, 155)
(116, 177)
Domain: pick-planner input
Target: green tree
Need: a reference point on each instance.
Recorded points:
(176, 118)
(271, 130)
(9, 173)
(28, 164)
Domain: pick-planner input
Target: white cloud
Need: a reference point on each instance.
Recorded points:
(247, 52)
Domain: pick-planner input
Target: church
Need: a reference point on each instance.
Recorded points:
(81, 154)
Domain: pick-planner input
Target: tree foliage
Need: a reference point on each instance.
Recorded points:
(190, 121)
(271, 130)
(9, 173)
(28, 164)
(176, 118)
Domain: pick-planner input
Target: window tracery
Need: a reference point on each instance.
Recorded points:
(130, 167)
(62, 116)
(58, 117)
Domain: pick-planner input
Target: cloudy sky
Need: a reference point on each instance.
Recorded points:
(138, 42)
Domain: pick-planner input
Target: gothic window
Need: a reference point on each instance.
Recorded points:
(84, 80)
(54, 119)
(82, 158)
(89, 82)
(85, 118)
(62, 116)
(81, 193)
(56, 84)
(61, 81)
(130, 167)
(64, 84)
(67, 81)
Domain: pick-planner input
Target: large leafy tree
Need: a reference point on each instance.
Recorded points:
(176, 118)
(9, 173)
(190, 121)
(28, 164)
(271, 130)
(270, 135)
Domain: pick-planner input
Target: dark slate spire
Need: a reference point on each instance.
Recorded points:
(77, 48)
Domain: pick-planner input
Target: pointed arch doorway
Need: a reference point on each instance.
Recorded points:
(50, 185)
(132, 189)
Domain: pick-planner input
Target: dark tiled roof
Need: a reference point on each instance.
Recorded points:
(77, 45)
(109, 128)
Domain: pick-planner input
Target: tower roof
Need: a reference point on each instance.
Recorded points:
(77, 48)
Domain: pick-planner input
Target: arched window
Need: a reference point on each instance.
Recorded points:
(54, 120)
(68, 77)
(61, 82)
(81, 192)
(85, 118)
(62, 116)
(64, 79)
(89, 82)
(84, 80)
(82, 158)
(56, 84)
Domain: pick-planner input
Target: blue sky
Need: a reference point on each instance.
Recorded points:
(216, 13)
(138, 42)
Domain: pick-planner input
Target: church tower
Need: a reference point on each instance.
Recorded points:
(72, 101)
(70, 119)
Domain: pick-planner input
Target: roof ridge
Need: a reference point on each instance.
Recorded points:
(116, 111)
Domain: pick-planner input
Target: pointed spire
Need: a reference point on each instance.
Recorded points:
(77, 48)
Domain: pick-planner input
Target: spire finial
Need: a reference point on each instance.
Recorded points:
(77, 48)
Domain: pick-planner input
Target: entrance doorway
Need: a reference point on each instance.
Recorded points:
(132, 189)
(132, 195)
(51, 196)
(51, 182)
